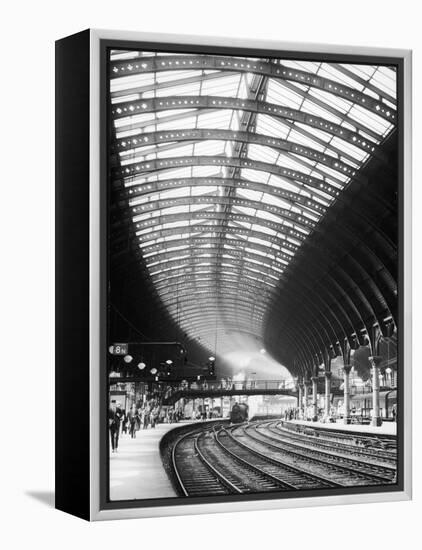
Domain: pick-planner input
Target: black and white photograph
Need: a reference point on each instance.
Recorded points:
(254, 274)
(211, 257)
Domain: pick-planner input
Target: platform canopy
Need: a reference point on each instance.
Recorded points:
(228, 164)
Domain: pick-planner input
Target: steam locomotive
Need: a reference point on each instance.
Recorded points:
(239, 413)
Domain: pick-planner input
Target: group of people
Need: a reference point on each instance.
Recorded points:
(140, 418)
(292, 413)
(137, 418)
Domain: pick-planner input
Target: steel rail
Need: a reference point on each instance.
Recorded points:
(278, 462)
(350, 469)
(220, 477)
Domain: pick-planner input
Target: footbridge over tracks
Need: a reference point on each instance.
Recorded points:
(224, 388)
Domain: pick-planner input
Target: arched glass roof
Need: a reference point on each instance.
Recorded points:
(227, 164)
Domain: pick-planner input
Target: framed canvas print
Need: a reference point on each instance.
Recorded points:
(233, 275)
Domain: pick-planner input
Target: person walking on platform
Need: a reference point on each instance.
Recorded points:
(146, 418)
(154, 416)
(133, 421)
(124, 422)
(114, 417)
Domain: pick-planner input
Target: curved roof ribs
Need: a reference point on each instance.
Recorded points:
(234, 184)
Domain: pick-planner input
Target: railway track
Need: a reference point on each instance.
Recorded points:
(346, 471)
(194, 474)
(381, 446)
(388, 458)
(363, 464)
(259, 457)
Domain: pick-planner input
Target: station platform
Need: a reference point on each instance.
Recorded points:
(387, 428)
(136, 469)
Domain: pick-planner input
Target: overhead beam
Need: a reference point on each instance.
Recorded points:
(198, 242)
(210, 284)
(232, 270)
(131, 143)
(163, 256)
(278, 240)
(155, 105)
(215, 216)
(255, 66)
(140, 169)
(258, 269)
(151, 187)
(300, 220)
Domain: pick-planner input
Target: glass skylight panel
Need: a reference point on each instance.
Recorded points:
(280, 95)
(271, 126)
(350, 149)
(327, 71)
(289, 161)
(311, 108)
(197, 207)
(217, 119)
(244, 210)
(205, 171)
(363, 71)
(165, 76)
(210, 147)
(322, 136)
(377, 123)
(226, 86)
(385, 79)
(262, 153)
(122, 122)
(198, 190)
(276, 201)
(173, 173)
(249, 194)
(254, 175)
(287, 185)
(308, 66)
(179, 151)
(308, 141)
(268, 216)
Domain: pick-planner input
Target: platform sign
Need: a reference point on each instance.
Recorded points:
(119, 349)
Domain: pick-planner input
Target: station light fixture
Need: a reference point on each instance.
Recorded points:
(141, 366)
(127, 358)
(153, 371)
(211, 366)
(169, 362)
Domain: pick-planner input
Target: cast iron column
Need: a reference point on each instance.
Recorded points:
(327, 395)
(346, 418)
(305, 399)
(299, 399)
(314, 398)
(376, 417)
